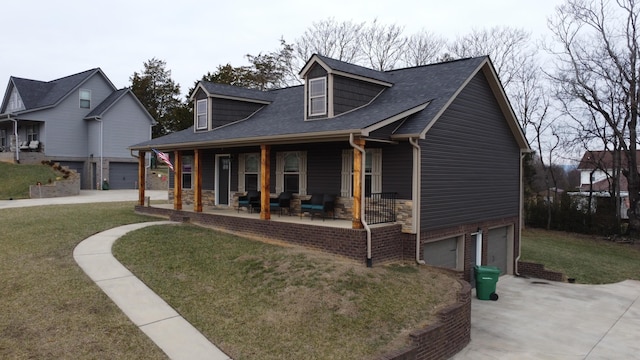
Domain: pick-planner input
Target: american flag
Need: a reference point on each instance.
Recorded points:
(164, 157)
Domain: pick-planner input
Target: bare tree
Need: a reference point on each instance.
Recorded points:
(506, 46)
(423, 48)
(597, 61)
(337, 40)
(383, 45)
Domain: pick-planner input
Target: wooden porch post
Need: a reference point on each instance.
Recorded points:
(265, 181)
(197, 182)
(357, 185)
(177, 181)
(141, 177)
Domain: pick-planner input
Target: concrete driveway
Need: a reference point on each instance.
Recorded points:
(539, 319)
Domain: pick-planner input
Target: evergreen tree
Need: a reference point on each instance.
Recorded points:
(160, 95)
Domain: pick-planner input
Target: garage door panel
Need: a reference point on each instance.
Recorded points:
(442, 253)
(123, 175)
(497, 245)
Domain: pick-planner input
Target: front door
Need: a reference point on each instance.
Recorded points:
(223, 174)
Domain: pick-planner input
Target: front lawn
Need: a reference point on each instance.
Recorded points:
(262, 301)
(16, 178)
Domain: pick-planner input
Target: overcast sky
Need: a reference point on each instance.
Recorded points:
(48, 39)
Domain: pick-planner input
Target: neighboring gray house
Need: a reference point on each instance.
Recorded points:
(440, 140)
(81, 121)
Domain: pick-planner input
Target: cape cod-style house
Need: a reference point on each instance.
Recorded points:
(421, 163)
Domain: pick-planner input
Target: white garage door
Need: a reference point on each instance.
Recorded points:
(442, 253)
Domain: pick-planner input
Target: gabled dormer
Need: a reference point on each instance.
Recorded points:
(333, 87)
(217, 105)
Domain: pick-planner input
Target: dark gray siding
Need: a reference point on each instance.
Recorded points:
(397, 161)
(349, 94)
(225, 111)
(470, 162)
(324, 168)
(200, 95)
(208, 163)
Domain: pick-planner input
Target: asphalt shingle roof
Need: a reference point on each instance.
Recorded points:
(38, 94)
(433, 84)
(106, 103)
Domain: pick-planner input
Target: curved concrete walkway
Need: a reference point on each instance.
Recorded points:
(172, 333)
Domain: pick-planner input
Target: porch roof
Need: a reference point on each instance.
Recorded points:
(416, 99)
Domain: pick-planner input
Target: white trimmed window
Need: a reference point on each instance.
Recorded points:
(32, 133)
(317, 101)
(201, 114)
(248, 172)
(372, 172)
(85, 99)
(187, 169)
(291, 172)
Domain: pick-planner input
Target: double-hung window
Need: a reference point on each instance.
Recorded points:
(372, 172)
(85, 99)
(201, 114)
(291, 172)
(187, 166)
(32, 133)
(249, 172)
(317, 101)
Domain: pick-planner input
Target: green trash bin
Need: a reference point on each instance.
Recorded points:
(486, 280)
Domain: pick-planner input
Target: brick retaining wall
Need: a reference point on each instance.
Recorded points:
(538, 271)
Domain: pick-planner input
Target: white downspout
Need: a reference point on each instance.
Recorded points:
(15, 138)
(362, 203)
(416, 190)
(515, 266)
(101, 182)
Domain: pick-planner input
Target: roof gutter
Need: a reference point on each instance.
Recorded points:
(362, 218)
(415, 211)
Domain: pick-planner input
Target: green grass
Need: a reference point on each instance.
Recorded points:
(588, 259)
(16, 178)
(262, 301)
(49, 308)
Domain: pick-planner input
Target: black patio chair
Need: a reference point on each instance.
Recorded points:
(319, 204)
(249, 200)
(283, 201)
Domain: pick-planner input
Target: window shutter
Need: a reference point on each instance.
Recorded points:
(376, 171)
(347, 169)
(241, 173)
(279, 172)
(302, 163)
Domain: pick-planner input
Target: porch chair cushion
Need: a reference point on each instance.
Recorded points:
(34, 145)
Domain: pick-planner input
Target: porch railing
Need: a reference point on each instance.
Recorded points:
(380, 208)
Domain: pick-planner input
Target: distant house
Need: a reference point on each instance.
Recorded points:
(81, 121)
(597, 177)
(435, 149)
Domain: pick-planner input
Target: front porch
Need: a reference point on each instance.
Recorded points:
(388, 242)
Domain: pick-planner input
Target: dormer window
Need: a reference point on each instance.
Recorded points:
(201, 114)
(317, 96)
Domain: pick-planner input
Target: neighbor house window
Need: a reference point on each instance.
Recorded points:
(187, 166)
(32, 133)
(249, 172)
(317, 96)
(201, 114)
(85, 99)
(372, 172)
(291, 172)
(3, 139)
